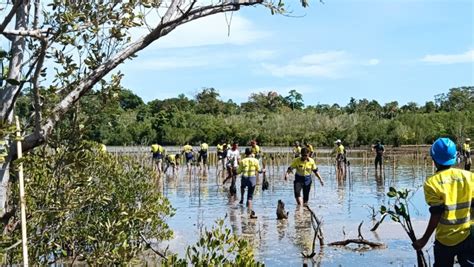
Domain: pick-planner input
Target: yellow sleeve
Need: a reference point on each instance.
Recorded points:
(433, 196)
(294, 164)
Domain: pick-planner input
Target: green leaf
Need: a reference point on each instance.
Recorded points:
(3, 54)
(392, 194)
(383, 209)
(13, 81)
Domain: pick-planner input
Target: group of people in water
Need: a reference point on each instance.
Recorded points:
(449, 192)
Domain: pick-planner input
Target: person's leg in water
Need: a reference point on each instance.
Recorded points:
(306, 190)
(242, 189)
(251, 188)
(297, 187)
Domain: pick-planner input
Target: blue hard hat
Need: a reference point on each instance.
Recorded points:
(443, 151)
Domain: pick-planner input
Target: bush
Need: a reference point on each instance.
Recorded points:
(88, 206)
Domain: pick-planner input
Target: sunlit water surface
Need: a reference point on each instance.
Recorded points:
(200, 200)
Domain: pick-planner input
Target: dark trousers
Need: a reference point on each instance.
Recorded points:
(297, 186)
(444, 255)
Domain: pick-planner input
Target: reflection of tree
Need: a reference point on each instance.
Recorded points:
(281, 228)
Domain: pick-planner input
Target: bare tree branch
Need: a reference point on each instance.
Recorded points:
(36, 86)
(10, 15)
(84, 85)
(26, 33)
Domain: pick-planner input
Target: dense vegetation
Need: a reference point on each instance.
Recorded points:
(116, 116)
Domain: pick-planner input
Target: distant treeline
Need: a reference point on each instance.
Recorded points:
(119, 117)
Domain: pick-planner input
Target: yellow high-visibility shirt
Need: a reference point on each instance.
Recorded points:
(220, 148)
(204, 147)
(303, 168)
(102, 148)
(454, 190)
(187, 148)
(310, 148)
(340, 149)
(466, 147)
(155, 148)
(297, 149)
(248, 167)
(171, 158)
(255, 149)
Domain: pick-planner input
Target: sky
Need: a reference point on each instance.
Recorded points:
(387, 50)
(405, 51)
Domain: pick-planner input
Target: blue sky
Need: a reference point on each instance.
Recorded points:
(405, 50)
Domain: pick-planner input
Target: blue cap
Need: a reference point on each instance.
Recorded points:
(443, 152)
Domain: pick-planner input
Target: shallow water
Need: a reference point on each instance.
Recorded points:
(200, 200)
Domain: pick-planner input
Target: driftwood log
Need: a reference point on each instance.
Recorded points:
(360, 240)
(318, 233)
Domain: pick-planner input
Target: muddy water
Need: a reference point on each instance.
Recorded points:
(200, 200)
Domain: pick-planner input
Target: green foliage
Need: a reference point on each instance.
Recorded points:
(89, 206)
(399, 212)
(217, 247)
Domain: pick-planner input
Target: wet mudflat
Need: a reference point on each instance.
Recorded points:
(341, 204)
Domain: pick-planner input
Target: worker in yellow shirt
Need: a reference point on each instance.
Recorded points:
(304, 166)
(450, 195)
(296, 149)
(310, 149)
(221, 155)
(255, 149)
(158, 153)
(340, 152)
(203, 156)
(187, 150)
(248, 167)
(173, 161)
(466, 153)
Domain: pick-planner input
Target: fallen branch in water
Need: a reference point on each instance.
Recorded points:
(318, 233)
(360, 241)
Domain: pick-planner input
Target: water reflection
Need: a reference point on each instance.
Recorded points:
(200, 199)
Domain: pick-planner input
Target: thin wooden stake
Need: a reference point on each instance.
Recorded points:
(24, 237)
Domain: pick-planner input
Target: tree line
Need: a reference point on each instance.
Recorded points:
(117, 116)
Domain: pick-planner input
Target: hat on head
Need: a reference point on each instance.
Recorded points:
(468, 139)
(338, 141)
(443, 151)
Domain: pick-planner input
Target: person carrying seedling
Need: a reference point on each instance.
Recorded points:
(466, 153)
(248, 167)
(304, 165)
(449, 193)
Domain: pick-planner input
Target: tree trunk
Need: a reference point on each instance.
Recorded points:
(6, 112)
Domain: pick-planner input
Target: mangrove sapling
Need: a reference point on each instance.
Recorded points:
(217, 246)
(401, 215)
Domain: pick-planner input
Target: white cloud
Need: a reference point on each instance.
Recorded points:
(331, 64)
(373, 62)
(466, 57)
(210, 30)
(258, 55)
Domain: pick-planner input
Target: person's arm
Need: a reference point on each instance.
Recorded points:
(435, 216)
(316, 173)
(288, 171)
(436, 203)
